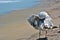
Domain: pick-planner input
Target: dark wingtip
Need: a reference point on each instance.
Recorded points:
(54, 27)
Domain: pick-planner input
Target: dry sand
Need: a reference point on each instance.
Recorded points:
(14, 26)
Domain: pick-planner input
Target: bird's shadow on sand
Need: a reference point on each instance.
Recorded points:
(42, 38)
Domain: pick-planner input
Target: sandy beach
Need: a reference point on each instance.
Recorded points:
(14, 25)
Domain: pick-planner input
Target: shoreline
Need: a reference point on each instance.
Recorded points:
(14, 26)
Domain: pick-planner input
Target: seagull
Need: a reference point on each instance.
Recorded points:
(41, 21)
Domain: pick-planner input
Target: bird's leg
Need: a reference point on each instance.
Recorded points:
(39, 33)
(46, 33)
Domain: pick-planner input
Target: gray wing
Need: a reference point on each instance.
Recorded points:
(31, 21)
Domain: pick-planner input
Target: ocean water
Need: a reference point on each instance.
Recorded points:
(10, 5)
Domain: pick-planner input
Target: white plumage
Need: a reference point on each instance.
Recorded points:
(40, 21)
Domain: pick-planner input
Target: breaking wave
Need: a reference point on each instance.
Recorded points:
(8, 1)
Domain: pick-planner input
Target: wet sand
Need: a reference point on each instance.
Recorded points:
(14, 25)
